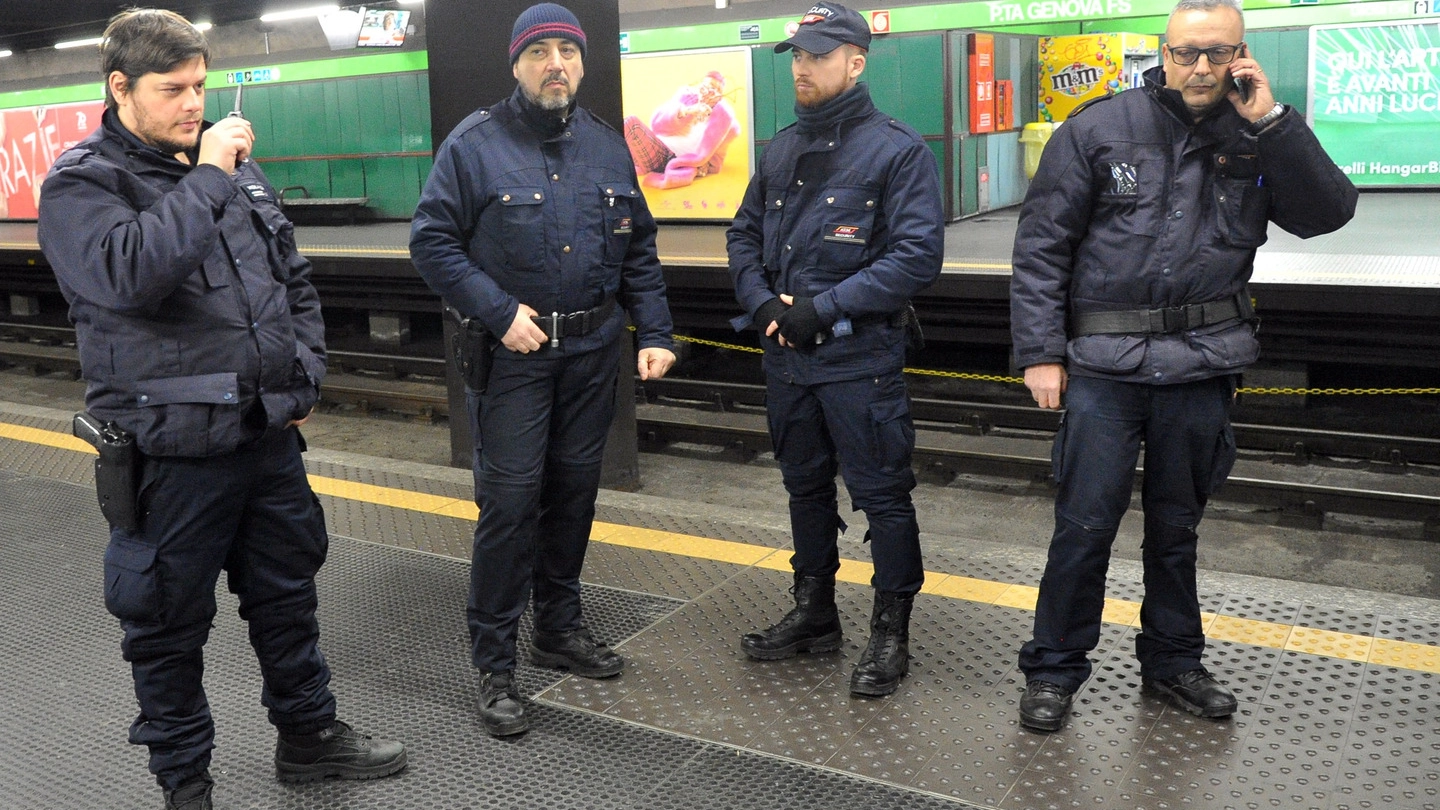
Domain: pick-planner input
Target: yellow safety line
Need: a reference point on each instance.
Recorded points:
(1290, 638)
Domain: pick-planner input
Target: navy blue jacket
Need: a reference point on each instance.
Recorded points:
(851, 216)
(510, 216)
(1137, 206)
(194, 314)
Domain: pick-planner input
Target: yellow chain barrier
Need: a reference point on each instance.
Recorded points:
(960, 375)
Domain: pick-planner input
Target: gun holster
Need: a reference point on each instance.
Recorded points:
(117, 470)
(914, 335)
(472, 350)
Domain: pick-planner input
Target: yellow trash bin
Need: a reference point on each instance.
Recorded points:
(1034, 138)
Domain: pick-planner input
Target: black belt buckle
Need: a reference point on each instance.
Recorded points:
(1168, 319)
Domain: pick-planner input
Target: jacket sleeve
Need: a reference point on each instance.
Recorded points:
(745, 245)
(915, 252)
(642, 283)
(115, 256)
(439, 233)
(1309, 195)
(1053, 221)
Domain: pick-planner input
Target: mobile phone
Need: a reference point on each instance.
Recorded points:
(1242, 86)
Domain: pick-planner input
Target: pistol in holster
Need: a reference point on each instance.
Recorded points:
(472, 350)
(117, 470)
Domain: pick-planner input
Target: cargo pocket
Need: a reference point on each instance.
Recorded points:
(894, 433)
(1223, 461)
(132, 586)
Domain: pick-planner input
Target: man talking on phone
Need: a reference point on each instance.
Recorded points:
(1129, 308)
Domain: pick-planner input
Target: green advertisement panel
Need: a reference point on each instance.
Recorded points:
(1375, 100)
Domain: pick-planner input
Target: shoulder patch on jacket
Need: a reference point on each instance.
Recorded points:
(1088, 103)
(70, 157)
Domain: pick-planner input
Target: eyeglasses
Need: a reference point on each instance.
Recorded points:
(1218, 55)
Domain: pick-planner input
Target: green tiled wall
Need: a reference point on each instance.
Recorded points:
(349, 133)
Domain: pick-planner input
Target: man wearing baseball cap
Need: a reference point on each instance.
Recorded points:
(841, 226)
(533, 228)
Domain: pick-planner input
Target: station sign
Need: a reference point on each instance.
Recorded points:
(750, 32)
(253, 76)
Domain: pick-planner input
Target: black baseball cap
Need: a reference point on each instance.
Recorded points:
(827, 26)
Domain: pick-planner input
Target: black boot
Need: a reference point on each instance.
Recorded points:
(192, 794)
(338, 752)
(813, 626)
(887, 656)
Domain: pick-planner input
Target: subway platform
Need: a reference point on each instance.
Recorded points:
(1339, 688)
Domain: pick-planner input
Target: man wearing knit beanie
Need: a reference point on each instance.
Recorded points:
(533, 229)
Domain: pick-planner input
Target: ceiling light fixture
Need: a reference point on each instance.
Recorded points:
(297, 13)
(4, 54)
(78, 43)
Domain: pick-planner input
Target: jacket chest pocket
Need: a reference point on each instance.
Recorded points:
(522, 226)
(847, 226)
(1242, 203)
(279, 236)
(617, 206)
(1131, 194)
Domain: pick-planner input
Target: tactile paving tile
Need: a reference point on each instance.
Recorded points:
(722, 778)
(1312, 683)
(43, 461)
(654, 572)
(419, 531)
(687, 524)
(390, 479)
(1392, 755)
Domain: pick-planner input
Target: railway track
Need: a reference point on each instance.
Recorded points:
(955, 438)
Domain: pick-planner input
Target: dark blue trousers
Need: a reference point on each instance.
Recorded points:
(1189, 450)
(250, 513)
(863, 428)
(539, 431)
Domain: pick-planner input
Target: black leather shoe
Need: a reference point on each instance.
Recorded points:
(812, 626)
(192, 794)
(500, 708)
(338, 752)
(576, 651)
(1045, 706)
(1196, 691)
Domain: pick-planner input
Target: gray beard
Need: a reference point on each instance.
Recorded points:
(548, 103)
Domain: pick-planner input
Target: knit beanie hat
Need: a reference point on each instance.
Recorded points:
(543, 21)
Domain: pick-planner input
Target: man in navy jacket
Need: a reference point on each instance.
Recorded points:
(841, 226)
(199, 332)
(532, 225)
(1128, 299)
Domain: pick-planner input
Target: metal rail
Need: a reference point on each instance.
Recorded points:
(982, 418)
(1308, 502)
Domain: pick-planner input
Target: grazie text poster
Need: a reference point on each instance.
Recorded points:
(1375, 100)
(30, 140)
(688, 126)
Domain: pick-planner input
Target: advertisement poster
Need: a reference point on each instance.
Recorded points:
(982, 82)
(687, 122)
(1075, 69)
(30, 140)
(1375, 101)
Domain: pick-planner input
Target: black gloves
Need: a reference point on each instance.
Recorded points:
(800, 323)
(772, 310)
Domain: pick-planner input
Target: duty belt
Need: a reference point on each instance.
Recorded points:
(1163, 320)
(574, 324)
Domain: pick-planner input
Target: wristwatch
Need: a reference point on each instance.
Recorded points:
(1267, 119)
